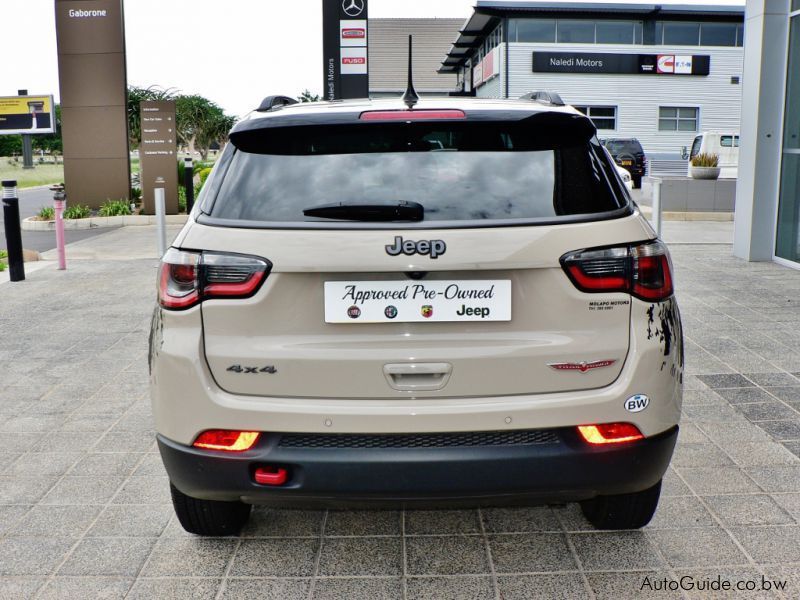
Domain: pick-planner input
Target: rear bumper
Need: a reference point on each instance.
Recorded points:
(562, 471)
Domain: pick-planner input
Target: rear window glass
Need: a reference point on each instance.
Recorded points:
(624, 146)
(458, 172)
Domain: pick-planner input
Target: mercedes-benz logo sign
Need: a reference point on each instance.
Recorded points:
(353, 8)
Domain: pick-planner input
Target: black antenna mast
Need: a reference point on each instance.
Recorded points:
(410, 97)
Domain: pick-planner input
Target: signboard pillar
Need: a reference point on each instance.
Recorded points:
(94, 98)
(158, 155)
(27, 144)
(344, 49)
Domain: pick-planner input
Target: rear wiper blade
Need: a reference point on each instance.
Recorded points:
(368, 211)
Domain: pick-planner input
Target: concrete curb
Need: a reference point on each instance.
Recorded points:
(30, 224)
(667, 215)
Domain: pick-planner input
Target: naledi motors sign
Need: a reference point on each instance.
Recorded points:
(622, 64)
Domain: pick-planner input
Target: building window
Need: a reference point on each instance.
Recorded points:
(615, 32)
(575, 32)
(603, 117)
(542, 31)
(681, 34)
(718, 34)
(670, 33)
(729, 141)
(674, 118)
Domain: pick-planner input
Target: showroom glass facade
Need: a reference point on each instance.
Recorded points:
(788, 230)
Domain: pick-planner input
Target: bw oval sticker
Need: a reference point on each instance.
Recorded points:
(637, 403)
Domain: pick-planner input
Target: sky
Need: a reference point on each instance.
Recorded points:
(233, 52)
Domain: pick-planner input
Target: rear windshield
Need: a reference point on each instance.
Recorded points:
(480, 172)
(624, 146)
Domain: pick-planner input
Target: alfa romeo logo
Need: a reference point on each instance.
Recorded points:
(353, 8)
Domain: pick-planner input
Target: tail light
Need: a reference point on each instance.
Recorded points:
(187, 278)
(226, 440)
(642, 270)
(610, 433)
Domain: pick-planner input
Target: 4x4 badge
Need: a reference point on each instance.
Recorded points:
(582, 366)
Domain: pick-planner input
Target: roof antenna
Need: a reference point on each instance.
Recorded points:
(410, 97)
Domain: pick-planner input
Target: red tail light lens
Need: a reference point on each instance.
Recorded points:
(226, 440)
(412, 115)
(610, 433)
(187, 278)
(642, 270)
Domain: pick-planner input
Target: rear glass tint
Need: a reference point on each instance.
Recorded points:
(458, 172)
(624, 147)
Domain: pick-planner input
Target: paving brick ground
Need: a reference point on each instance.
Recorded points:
(84, 502)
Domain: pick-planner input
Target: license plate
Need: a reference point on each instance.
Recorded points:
(626, 163)
(417, 301)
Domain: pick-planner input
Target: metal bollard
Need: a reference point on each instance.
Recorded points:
(188, 183)
(656, 217)
(59, 204)
(161, 221)
(16, 264)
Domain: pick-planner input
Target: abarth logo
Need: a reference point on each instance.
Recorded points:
(582, 366)
(426, 311)
(435, 248)
(353, 8)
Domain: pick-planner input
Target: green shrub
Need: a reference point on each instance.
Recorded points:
(47, 213)
(77, 211)
(136, 194)
(203, 175)
(705, 160)
(114, 208)
(3, 257)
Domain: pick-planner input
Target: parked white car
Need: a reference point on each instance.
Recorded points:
(725, 145)
(625, 175)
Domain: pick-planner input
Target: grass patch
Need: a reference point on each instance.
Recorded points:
(46, 174)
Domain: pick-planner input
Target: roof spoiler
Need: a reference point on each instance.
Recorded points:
(272, 102)
(551, 98)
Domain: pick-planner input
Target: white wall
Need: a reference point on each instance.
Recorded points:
(637, 97)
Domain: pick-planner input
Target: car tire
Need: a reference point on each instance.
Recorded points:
(623, 511)
(637, 181)
(209, 517)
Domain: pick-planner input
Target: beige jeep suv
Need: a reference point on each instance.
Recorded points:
(457, 302)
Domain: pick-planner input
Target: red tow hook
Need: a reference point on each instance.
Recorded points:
(271, 475)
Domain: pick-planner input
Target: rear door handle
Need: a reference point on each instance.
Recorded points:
(412, 377)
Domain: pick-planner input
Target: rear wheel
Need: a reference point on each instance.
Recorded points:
(623, 511)
(209, 517)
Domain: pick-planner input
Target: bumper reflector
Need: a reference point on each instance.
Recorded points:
(226, 440)
(610, 433)
(271, 475)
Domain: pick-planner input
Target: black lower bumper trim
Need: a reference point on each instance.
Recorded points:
(568, 470)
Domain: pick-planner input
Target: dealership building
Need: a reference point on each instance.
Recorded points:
(659, 73)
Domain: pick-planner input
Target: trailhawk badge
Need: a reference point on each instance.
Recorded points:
(582, 366)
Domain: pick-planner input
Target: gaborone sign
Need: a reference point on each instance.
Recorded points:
(27, 114)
